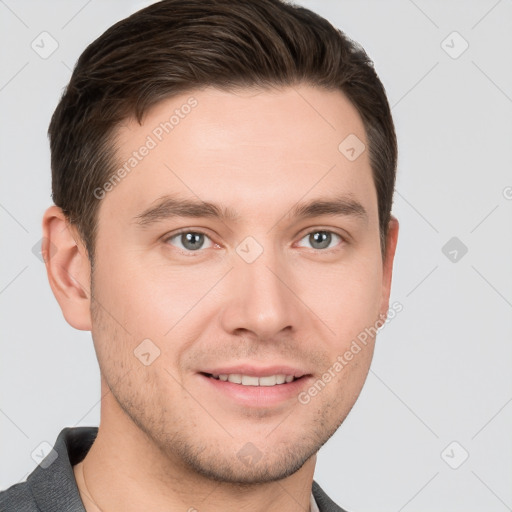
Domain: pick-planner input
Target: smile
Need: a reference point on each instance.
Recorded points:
(251, 380)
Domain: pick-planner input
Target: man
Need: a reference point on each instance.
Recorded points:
(223, 175)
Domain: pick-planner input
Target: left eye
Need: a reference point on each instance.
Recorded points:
(321, 238)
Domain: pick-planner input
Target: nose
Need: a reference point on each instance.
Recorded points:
(263, 297)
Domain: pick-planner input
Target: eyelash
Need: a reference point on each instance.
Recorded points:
(189, 253)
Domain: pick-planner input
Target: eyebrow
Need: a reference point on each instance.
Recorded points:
(168, 207)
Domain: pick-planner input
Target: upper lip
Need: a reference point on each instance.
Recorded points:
(256, 371)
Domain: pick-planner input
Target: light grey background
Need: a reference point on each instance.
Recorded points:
(442, 368)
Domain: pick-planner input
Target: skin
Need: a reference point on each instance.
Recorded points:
(168, 440)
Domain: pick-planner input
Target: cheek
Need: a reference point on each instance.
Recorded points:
(347, 297)
(144, 300)
(152, 301)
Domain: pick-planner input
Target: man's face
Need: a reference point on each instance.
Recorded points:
(268, 293)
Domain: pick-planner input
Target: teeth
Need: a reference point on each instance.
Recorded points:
(271, 380)
(250, 380)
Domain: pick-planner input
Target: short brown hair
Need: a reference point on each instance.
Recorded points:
(175, 46)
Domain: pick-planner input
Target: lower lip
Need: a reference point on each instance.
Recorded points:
(257, 396)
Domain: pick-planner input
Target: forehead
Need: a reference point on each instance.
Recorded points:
(244, 147)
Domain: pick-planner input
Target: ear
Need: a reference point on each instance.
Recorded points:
(68, 268)
(387, 265)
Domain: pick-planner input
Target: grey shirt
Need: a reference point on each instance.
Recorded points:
(52, 487)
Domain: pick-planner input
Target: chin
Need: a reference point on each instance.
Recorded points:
(242, 471)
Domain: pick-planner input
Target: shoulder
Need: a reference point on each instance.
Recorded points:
(51, 486)
(325, 504)
(18, 498)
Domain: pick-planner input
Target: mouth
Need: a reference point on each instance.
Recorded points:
(254, 380)
(252, 387)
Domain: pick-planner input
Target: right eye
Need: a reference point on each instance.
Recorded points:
(191, 241)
